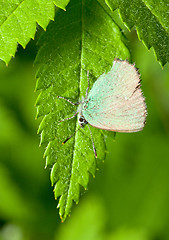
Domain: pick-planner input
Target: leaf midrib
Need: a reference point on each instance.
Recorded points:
(74, 145)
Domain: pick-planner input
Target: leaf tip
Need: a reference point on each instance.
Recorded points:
(63, 218)
(52, 19)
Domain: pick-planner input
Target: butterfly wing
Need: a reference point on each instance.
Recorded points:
(115, 102)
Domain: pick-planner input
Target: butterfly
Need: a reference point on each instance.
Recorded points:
(114, 103)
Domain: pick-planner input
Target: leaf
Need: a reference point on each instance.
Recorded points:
(61, 3)
(151, 19)
(18, 23)
(82, 38)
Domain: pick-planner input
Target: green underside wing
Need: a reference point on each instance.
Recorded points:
(116, 102)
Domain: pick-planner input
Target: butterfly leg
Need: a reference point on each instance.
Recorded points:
(94, 149)
(69, 117)
(71, 135)
(68, 100)
(87, 90)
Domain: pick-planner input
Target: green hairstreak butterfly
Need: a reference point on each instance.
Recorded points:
(115, 102)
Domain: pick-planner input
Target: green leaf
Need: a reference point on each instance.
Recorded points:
(82, 38)
(18, 23)
(161, 10)
(151, 19)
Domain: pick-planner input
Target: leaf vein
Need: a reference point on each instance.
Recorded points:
(12, 12)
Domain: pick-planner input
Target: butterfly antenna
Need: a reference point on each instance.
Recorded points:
(68, 100)
(72, 135)
(94, 149)
(69, 117)
(87, 90)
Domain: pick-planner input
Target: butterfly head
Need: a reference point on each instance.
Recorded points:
(82, 121)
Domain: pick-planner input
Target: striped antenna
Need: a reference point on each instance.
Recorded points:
(72, 135)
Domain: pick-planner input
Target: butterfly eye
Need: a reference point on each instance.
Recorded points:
(81, 119)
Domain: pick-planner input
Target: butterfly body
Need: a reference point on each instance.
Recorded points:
(115, 102)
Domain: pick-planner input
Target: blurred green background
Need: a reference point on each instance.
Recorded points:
(128, 199)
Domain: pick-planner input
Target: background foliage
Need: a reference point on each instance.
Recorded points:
(128, 198)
